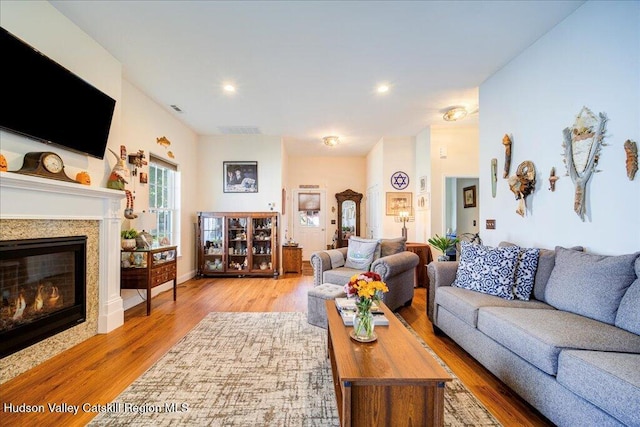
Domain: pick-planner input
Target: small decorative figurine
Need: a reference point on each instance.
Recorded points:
(506, 141)
(83, 178)
(119, 172)
(631, 149)
(3, 163)
(522, 184)
(552, 179)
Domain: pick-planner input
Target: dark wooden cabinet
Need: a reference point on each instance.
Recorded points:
(424, 252)
(238, 243)
(292, 259)
(148, 268)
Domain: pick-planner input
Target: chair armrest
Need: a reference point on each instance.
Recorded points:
(395, 264)
(440, 274)
(321, 262)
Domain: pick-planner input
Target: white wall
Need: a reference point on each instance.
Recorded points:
(334, 175)
(213, 150)
(398, 154)
(461, 147)
(143, 121)
(590, 59)
(375, 191)
(423, 168)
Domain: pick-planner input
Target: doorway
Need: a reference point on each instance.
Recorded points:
(461, 205)
(309, 229)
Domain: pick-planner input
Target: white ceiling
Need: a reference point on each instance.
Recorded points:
(306, 69)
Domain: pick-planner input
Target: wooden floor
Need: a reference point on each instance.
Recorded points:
(97, 370)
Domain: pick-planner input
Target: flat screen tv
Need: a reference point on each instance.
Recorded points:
(44, 101)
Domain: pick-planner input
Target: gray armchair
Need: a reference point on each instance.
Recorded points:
(397, 270)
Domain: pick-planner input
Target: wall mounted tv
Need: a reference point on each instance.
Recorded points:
(44, 101)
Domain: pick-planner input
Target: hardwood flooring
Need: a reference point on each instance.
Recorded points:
(97, 370)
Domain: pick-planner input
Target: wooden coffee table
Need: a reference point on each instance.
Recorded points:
(393, 381)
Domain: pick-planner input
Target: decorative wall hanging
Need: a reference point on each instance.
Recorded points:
(494, 177)
(423, 184)
(163, 141)
(582, 144)
(522, 184)
(397, 202)
(631, 149)
(399, 180)
(506, 141)
(240, 177)
(469, 195)
(552, 179)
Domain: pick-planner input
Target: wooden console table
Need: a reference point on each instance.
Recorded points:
(393, 381)
(148, 268)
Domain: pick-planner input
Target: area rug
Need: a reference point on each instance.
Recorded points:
(251, 369)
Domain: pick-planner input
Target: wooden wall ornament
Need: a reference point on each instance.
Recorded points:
(631, 149)
(552, 179)
(506, 141)
(582, 144)
(522, 184)
(494, 177)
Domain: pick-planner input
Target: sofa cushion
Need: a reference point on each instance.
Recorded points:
(464, 304)
(392, 246)
(487, 270)
(360, 253)
(340, 275)
(588, 284)
(610, 381)
(538, 336)
(525, 273)
(546, 262)
(628, 316)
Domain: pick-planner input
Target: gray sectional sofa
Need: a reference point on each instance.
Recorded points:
(572, 350)
(395, 265)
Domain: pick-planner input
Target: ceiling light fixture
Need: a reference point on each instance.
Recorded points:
(456, 113)
(229, 88)
(330, 141)
(383, 88)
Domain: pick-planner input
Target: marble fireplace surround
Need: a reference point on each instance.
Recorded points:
(53, 206)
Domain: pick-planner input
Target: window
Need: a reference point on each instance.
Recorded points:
(164, 200)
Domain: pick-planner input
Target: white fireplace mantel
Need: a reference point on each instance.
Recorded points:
(29, 197)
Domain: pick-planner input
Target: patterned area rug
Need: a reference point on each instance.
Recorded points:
(252, 369)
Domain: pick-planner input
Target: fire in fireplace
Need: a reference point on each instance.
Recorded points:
(43, 289)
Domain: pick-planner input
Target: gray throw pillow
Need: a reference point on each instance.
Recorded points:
(546, 261)
(590, 285)
(628, 316)
(360, 253)
(393, 246)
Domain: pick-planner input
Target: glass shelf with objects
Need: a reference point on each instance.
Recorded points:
(237, 243)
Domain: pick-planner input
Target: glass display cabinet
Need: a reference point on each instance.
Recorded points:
(237, 243)
(148, 268)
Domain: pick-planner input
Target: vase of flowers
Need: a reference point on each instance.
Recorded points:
(366, 288)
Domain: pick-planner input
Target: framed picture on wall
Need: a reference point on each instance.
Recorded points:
(397, 202)
(423, 184)
(469, 194)
(240, 177)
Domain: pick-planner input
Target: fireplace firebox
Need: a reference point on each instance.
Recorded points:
(43, 289)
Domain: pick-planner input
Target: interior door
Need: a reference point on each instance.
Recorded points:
(308, 218)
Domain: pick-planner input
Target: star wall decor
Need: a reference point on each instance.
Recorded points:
(399, 180)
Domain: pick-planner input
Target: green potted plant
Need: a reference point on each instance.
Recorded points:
(128, 238)
(443, 244)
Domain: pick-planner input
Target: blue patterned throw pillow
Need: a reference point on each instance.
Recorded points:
(487, 270)
(526, 272)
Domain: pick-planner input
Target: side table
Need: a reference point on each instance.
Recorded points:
(424, 252)
(291, 259)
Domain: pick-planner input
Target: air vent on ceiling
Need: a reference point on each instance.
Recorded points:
(240, 130)
(176, 108)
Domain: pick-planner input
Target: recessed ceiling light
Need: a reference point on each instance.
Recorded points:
(331, 141)
(229, 88)
(454, 114)
(383, 88)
